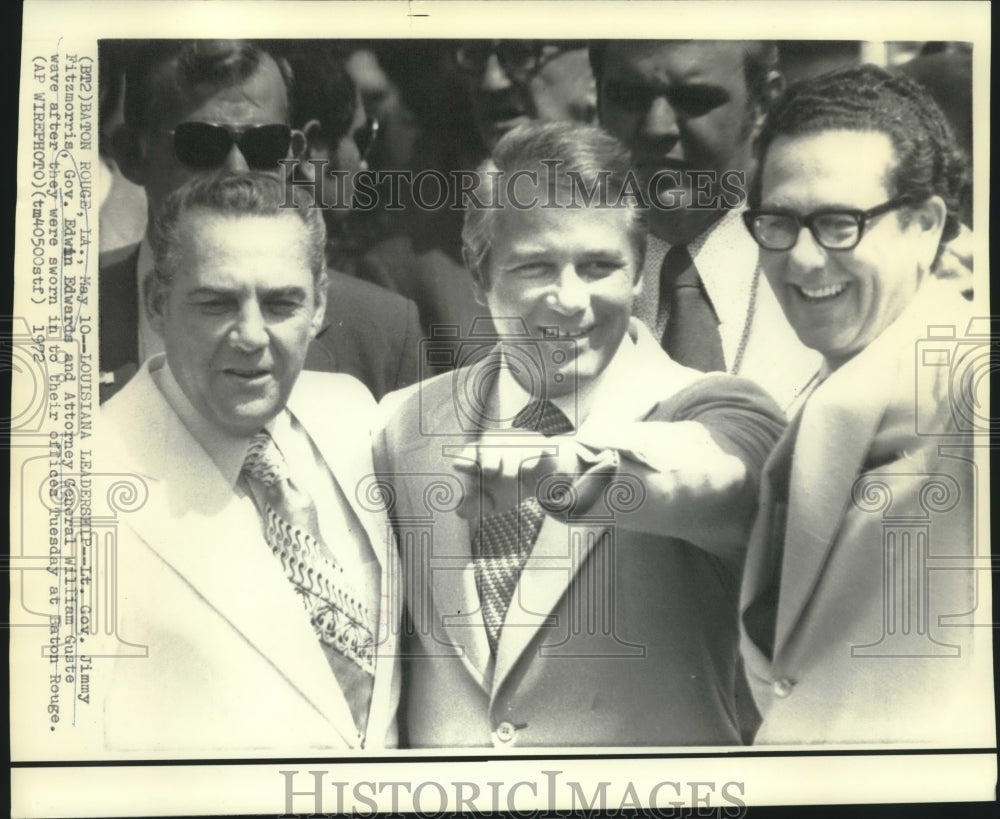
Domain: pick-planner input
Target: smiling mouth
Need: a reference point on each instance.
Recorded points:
(575, 334)
(818, 294)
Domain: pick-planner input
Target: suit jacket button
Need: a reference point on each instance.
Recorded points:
(783, 687)
(505, 732)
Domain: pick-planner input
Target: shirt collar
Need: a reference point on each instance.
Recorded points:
(720, 232)
(511, 397)
(226, 450)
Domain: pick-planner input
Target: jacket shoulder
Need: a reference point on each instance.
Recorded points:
(402, 409)
(359, 295)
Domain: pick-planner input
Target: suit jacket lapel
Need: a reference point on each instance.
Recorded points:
(557, 556)
(765, 552)
(457, 609)
(349, 461)
(211, 537)
(839, 421)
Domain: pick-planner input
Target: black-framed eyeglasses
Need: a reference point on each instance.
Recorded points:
(365, 136)
(833, 229)
(519, 59)
(205, 145)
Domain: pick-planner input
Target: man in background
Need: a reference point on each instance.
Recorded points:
(688, 111)
(193, 106)
(511, 82)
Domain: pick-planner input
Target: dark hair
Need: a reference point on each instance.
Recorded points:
(324, 91)
(760, 58)
(253, 193)
(868, 98)
(196, 64)
(585, 150)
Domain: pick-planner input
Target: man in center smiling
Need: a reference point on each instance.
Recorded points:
(571, 505)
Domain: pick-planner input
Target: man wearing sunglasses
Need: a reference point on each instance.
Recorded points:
(688, 110)
(851, 631)
(193, 107)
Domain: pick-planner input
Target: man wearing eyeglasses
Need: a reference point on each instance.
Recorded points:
(851, 629)
(192, 107)
(688, 111)
(511, 82)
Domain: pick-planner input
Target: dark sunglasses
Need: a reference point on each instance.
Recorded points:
(365, 136)
(205, 145)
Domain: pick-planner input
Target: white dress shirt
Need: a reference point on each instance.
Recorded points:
(339, 528)
(726, 258)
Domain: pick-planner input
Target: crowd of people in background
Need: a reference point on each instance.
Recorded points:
(440, 105)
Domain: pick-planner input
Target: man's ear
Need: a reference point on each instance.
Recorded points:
(637, 285)
(319, 311)
(310, 135)
(774, 86)
(477, 288)
(129, 151)
(155, 302)
(299, 145)
(930, 217)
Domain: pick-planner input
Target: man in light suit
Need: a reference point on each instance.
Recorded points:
(861, 588)
(688, 110)
(572, 504)
(197, 106)
(261, 585)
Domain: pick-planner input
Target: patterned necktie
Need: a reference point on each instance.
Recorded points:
(505, 539)
(342, 623)
(692, 334)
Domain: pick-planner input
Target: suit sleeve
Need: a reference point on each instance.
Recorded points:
(740, 416)
(698, 458)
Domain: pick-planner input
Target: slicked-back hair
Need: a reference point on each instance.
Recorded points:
(591, 155)
(760, 58)
(870, 99)
(235, 195)
(184, 68)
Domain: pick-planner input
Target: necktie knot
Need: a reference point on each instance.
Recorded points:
(541, 415)
(678, 268)
(264, 461)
